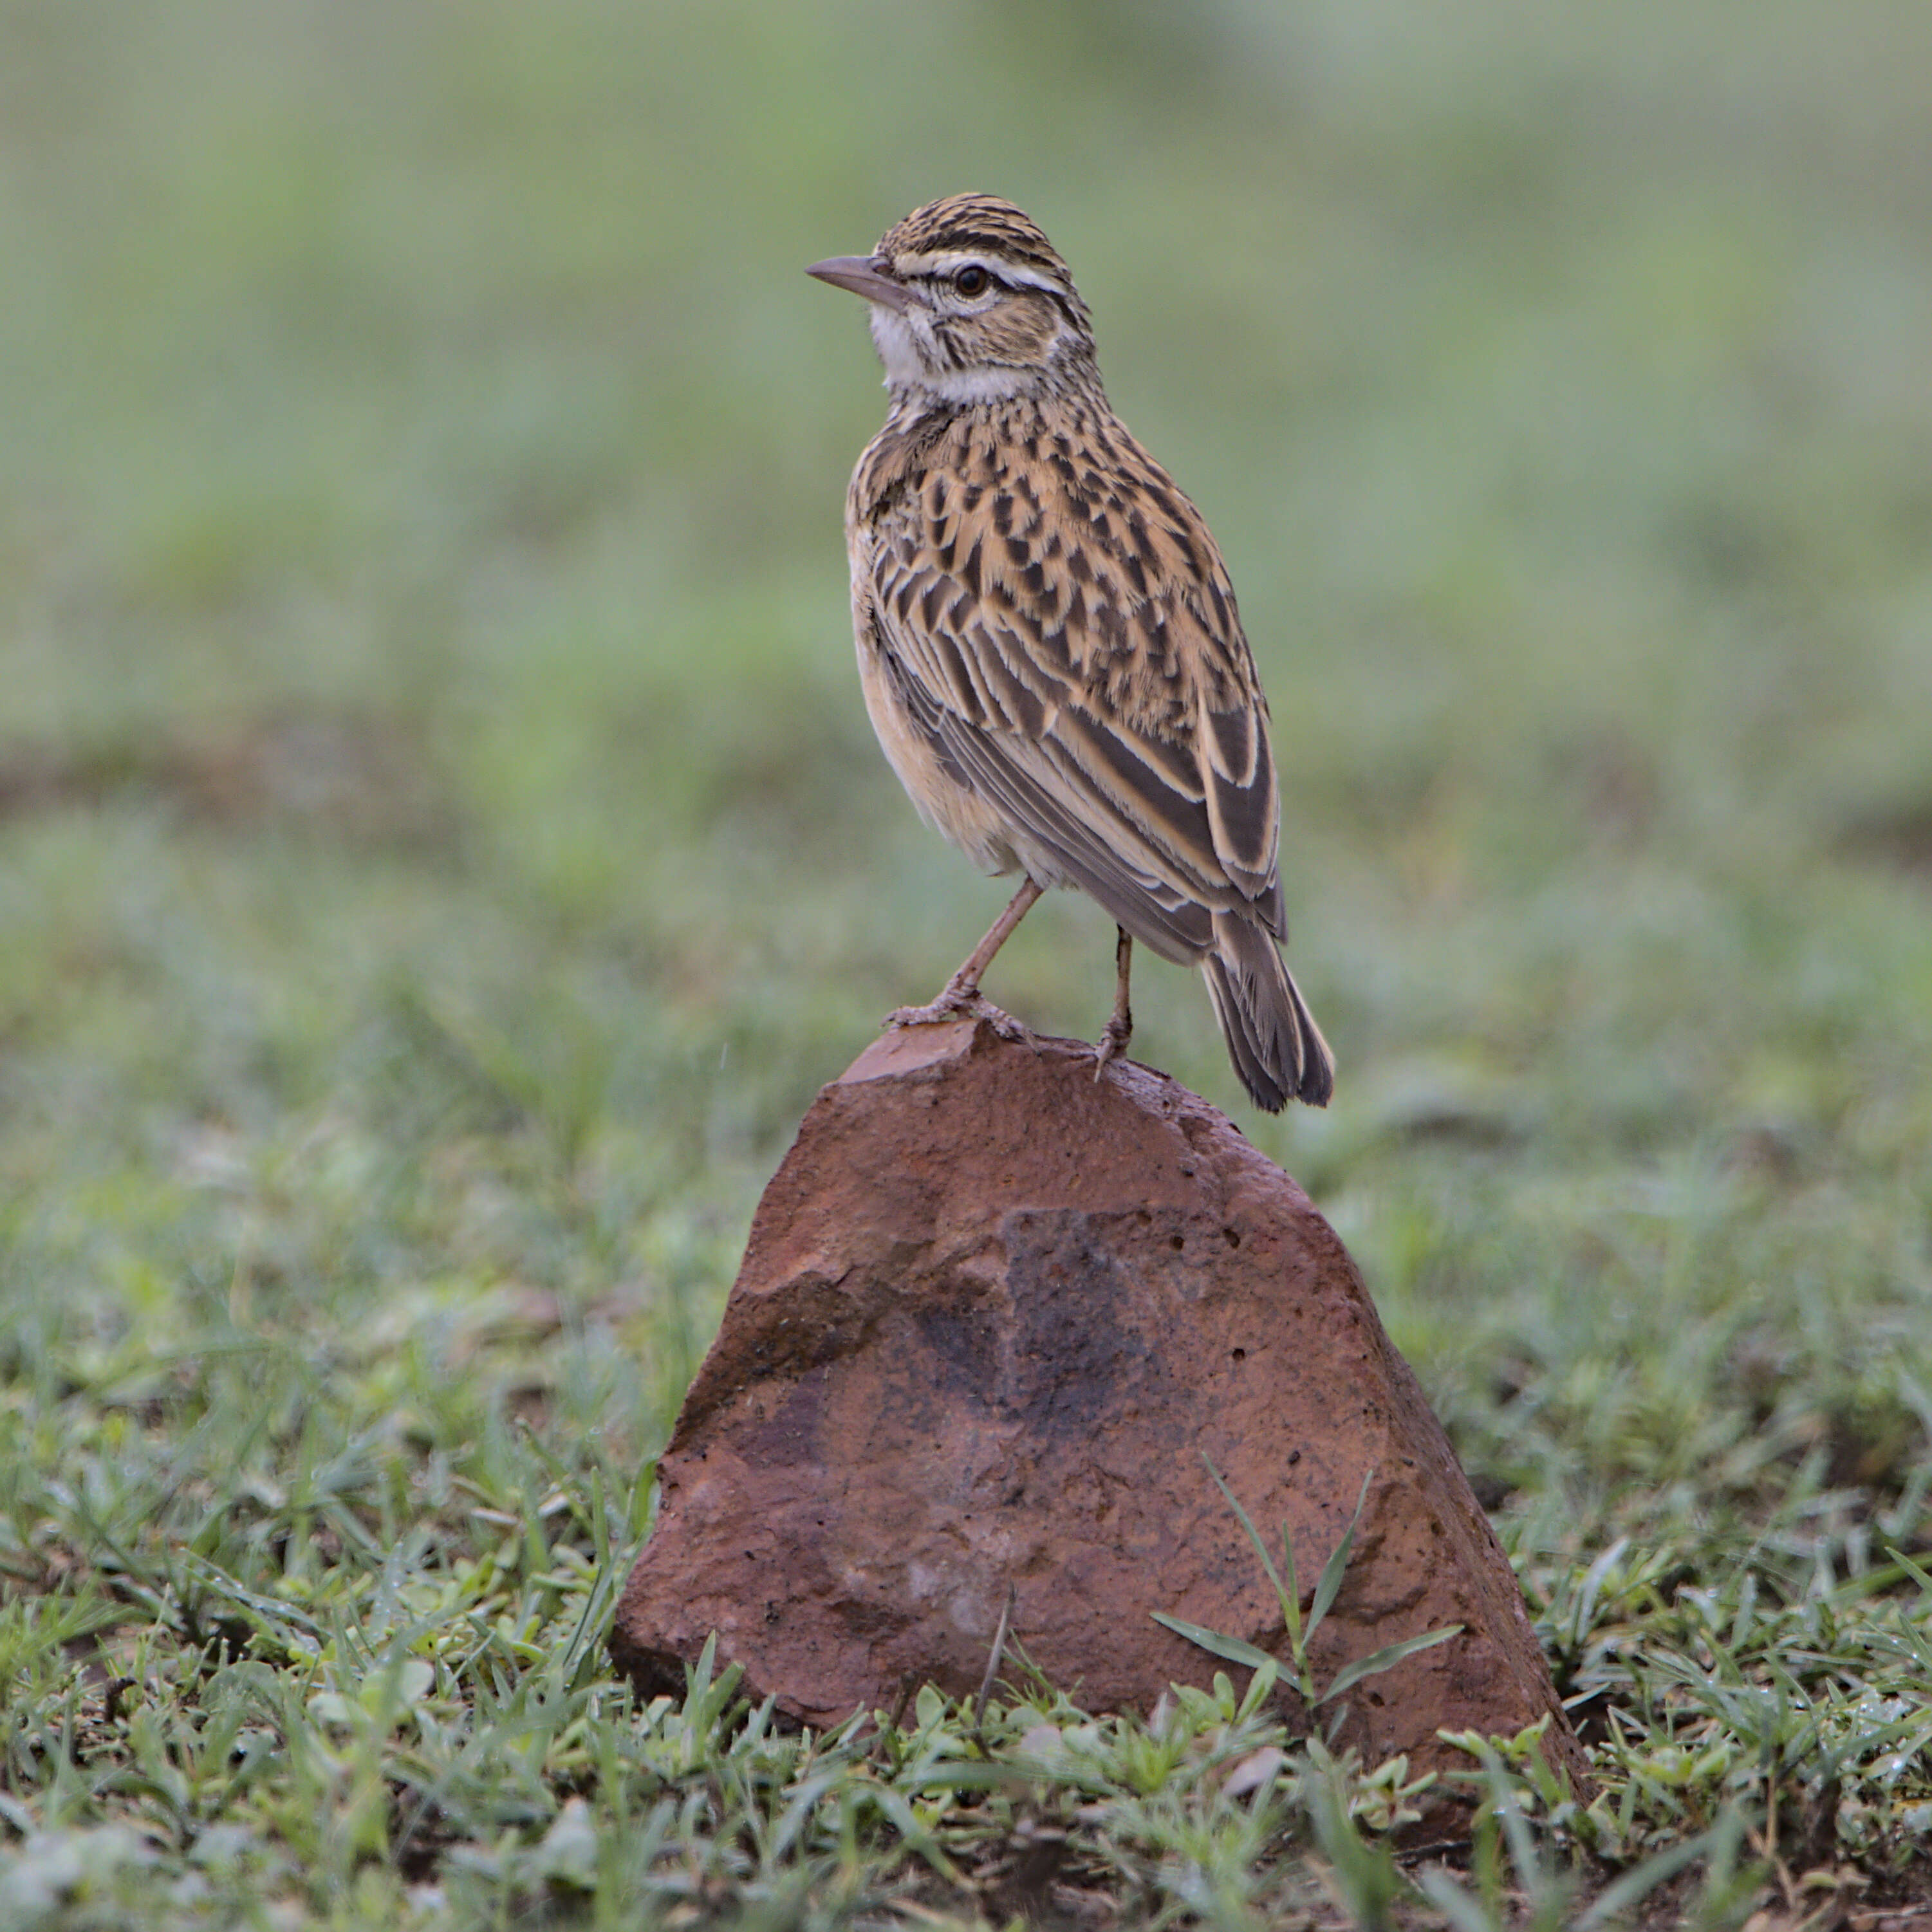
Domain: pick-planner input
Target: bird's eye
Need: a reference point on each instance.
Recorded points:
(971, 280)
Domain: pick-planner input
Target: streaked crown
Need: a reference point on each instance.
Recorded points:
(975, 227)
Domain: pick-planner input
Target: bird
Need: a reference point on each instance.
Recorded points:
(1048, 645)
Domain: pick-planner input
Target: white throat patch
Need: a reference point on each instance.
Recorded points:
(893, 335)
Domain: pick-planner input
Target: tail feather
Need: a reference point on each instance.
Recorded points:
(1275, 1046)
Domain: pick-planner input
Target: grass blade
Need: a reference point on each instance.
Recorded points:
(1389, 1655)
(1633, 1886)
(1231, 1648)
(1329, 1584)
(1254, 1535)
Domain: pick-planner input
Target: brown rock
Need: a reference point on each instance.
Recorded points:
(992, 1312)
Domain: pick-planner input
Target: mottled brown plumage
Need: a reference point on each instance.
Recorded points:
(1047, 640)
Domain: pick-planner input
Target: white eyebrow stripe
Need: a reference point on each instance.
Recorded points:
(950, 261)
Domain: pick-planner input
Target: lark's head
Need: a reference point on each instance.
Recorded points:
(971, 304)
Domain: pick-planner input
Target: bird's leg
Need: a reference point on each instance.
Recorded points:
(962, 998)
(1119, 1030)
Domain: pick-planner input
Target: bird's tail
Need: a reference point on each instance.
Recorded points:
(1272, 1038)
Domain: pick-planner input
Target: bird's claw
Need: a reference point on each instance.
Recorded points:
(973, 1005)
(1111, 1044)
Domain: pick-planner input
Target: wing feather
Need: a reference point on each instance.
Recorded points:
(1168, 920)
(1077, 655)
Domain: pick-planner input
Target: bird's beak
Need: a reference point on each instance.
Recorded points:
(863, 276)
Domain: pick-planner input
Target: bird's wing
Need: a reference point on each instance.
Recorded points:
(1077, 656)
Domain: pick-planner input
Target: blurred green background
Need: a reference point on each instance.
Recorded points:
(442, 849)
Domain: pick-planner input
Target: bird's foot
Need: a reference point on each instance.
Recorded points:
(959, 1003)
(1113, 1042)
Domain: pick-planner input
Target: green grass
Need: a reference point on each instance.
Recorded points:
(442, 852)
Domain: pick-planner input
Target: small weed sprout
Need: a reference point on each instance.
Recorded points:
(1300, 1633)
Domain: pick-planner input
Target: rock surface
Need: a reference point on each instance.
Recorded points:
(992, 1312)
